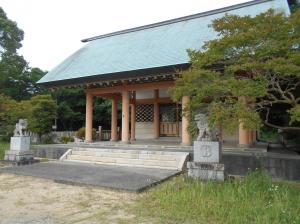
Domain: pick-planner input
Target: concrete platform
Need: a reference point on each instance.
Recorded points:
(116, 177)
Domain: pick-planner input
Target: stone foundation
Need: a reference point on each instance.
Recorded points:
(20, 143)
(206, 164)
(207, 151)
(19, 149)
(17, 155)
(206, 171)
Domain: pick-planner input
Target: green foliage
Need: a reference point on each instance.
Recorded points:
(66, 139)
(71, 109)
(254, 199)
(11, 35)
(4, 145)
(294, 5)
(17, 79)
(247, 73)
(268, 134)
(10, 112)
(295, 114)
(46, 140)
(43, 112)
(81, 133)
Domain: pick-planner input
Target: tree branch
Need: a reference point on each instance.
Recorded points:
(283, 128)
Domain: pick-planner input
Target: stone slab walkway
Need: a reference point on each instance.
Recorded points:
(115, 177)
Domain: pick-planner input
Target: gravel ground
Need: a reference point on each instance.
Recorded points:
(25, 199)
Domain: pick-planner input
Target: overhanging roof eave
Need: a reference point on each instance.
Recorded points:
(114, 76)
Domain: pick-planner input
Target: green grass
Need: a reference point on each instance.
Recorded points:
(3, 146)
(254, 199)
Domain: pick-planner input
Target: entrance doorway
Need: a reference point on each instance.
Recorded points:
(169, 117)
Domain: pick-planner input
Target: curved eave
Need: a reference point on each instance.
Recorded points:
(115, 76)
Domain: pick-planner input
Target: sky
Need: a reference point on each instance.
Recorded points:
(54, 28)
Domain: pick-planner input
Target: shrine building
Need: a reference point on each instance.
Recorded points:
(137, 66)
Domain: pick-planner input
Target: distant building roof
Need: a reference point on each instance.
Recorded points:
(153, 46)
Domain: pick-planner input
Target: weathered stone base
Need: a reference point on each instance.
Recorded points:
(207, 151)
(206, 171)
(21, 143)
(17, 155)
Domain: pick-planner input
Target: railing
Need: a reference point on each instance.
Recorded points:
(102, 135)
(169, 129)
(105, 135)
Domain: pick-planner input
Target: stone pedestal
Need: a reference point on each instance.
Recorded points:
(19, 149)
(206, 171)
(20, 143)
(207, 152)
(206, 164)
(16, 155)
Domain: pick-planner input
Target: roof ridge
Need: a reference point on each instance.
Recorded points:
(179, 19)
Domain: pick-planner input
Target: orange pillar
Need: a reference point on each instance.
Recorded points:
(125, 116)
(243, 133)
(186, 138)
(114, 119)
(250, 136)
(89, 118)
(156, 115)
(253, 136)
(133, 110)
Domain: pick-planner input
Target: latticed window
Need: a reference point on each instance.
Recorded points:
(144, 112)
(170, 113)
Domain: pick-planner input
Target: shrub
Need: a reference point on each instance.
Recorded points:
(47, 140)
(81, 133)
(66, 139)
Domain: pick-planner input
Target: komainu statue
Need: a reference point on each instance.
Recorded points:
(205, 133)
(21, 128)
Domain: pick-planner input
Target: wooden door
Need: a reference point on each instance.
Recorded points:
(169, 120)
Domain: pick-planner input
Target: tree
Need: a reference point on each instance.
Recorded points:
(10, 112)
(248, 74)
(42, 114)
(11, 36)
(17, 79)
(294, 5)
(71, 109)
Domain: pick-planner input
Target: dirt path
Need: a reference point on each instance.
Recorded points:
(34, 200)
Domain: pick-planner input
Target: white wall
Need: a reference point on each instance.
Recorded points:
(145, 94)
(149, 94)
(144, 130)
(164, 93)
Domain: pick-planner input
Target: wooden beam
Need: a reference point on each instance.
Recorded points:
(152, 101)
(130, 87)
(109, 96)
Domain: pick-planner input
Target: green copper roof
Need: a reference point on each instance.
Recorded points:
(151, 46)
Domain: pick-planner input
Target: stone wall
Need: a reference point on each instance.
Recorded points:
(286, 167)
(54, 135)
(49, 151)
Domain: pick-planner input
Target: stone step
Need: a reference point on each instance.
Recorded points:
(128, 157)
(133, 146)
(128, 162)
(122, 150)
